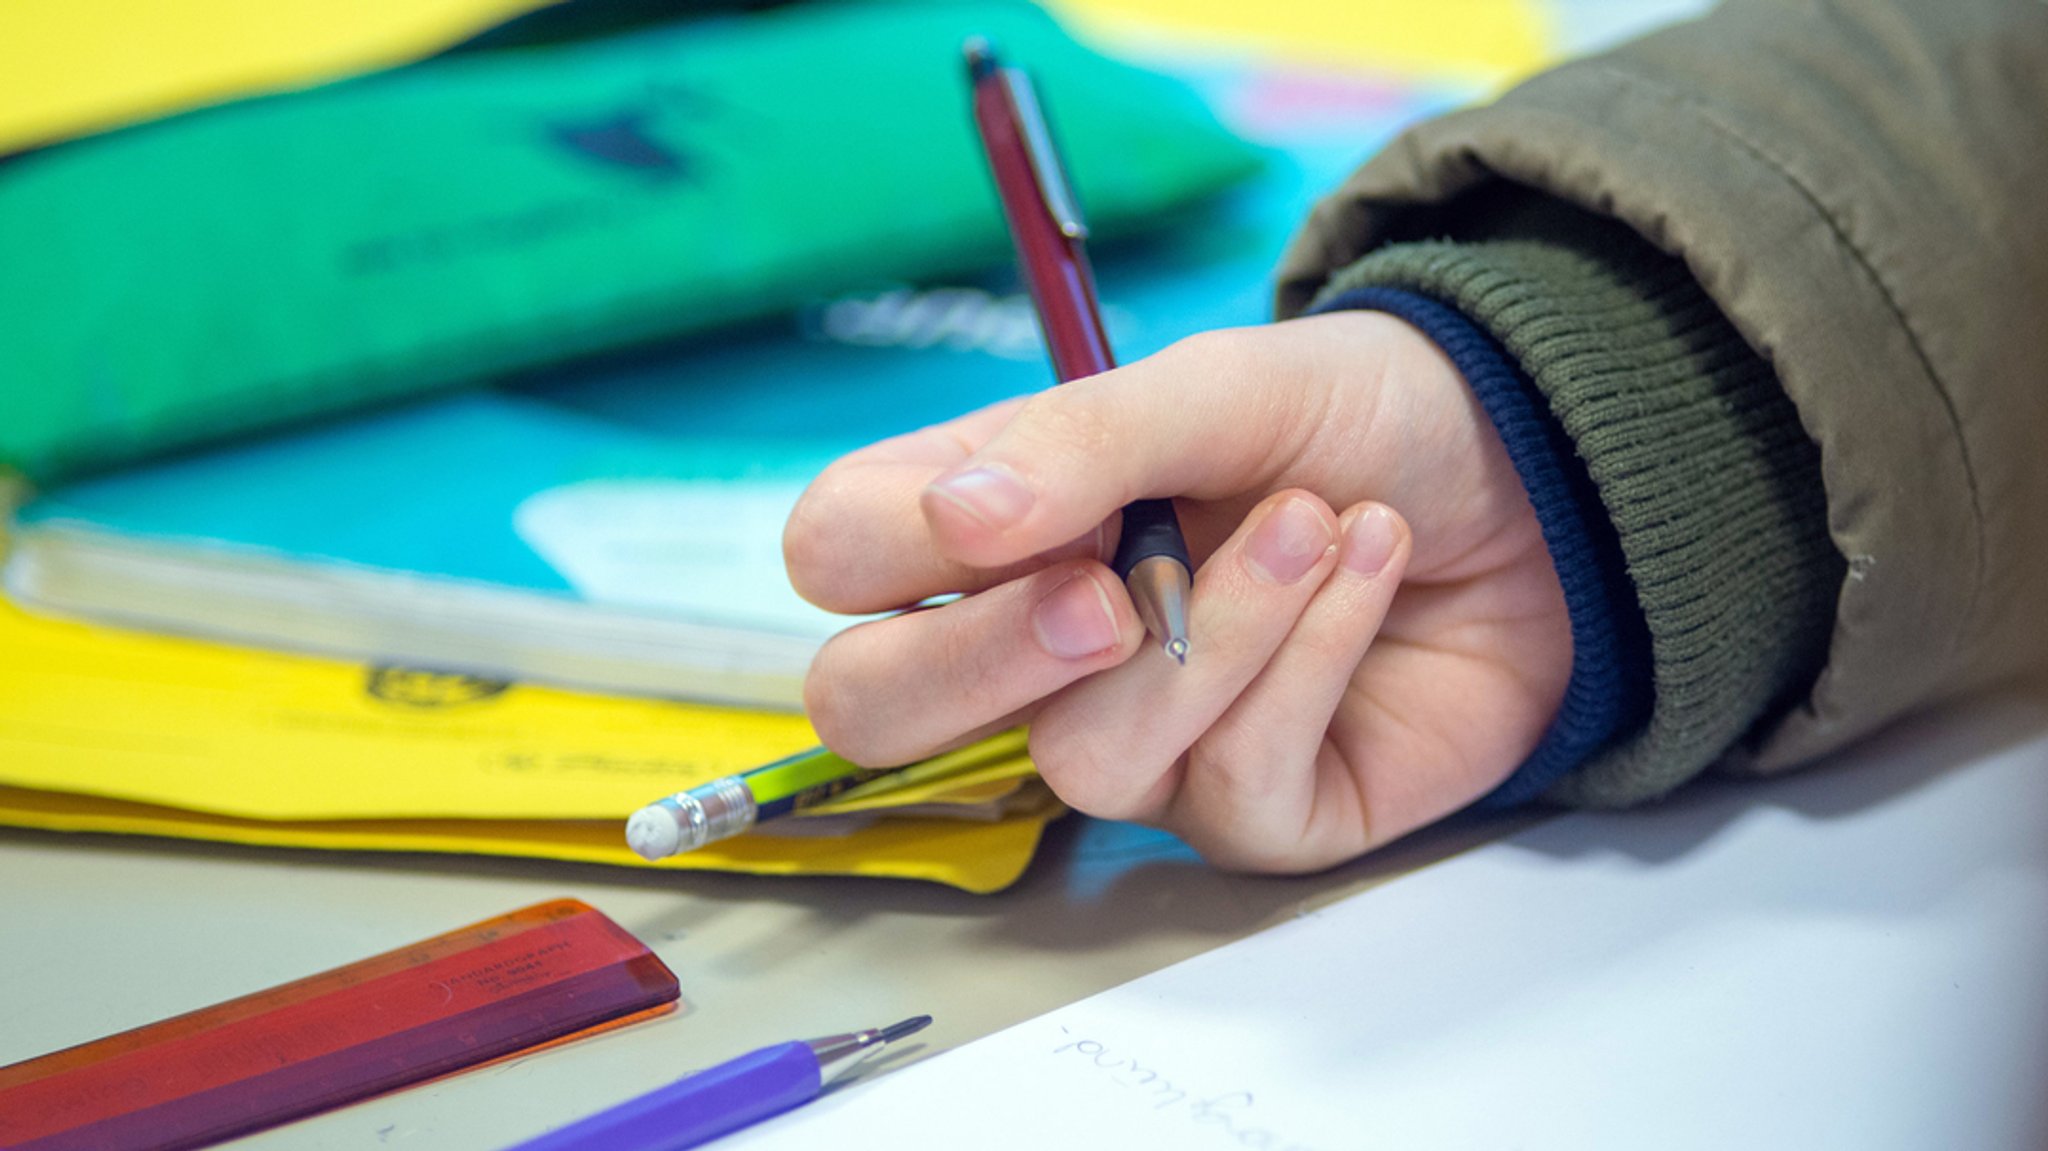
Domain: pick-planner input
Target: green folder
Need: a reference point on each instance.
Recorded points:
(491, 211)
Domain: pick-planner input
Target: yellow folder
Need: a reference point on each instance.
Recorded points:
(69, 67)
(115, 731)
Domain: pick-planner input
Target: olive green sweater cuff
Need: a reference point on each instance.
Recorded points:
(1700, 462)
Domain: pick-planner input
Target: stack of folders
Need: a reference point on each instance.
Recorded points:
(613, 523)
(111, 731)
(316, 585)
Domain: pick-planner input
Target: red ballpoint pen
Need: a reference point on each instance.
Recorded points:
(1047, 229)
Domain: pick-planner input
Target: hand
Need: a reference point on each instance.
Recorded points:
(1353, 675)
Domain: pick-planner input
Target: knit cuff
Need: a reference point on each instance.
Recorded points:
(1711, 484)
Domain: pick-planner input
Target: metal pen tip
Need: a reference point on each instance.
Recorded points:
(1159, 588)
(908, 1027)
(839, 1055)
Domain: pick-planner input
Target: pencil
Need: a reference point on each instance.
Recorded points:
(731, 805)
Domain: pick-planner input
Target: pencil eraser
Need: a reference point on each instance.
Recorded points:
(652, 832)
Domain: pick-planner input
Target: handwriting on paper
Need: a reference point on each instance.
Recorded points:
(1232, 1116)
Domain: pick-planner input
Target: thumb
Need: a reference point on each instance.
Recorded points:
(1209, 417)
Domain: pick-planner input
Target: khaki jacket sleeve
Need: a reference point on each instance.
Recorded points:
(1862, 188)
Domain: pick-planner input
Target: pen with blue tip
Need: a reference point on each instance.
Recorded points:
(1046, 227)
(1151, 556)
(701, 1107)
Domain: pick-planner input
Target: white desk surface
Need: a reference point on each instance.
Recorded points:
(1851, 957)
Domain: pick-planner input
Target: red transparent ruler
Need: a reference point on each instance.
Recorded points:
(488, 990)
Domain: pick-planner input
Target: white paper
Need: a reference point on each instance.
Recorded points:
(1853, 958)
(707, 550)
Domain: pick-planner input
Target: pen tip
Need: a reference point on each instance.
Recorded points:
(1159, 586)
(908, 1027)
(981, 56)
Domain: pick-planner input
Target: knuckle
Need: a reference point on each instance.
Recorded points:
(1242, 777)
(960, 659)
(1248, 855)
(1206, 346)
(1075, 764)
(1221, 354)
(814, 549)
(1240, 386)
(1241, 850)
(803, 557)
(1232, 768)
(1075, 423)
(833, 712)
(1333, 651)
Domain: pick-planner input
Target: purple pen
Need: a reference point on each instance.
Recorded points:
(699, 1108)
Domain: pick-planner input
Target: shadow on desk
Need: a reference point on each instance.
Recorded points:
(1094, 883)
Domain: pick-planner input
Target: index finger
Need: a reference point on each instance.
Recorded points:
(1213, 416)
(857, 542)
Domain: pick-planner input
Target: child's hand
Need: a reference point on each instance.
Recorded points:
(1322, 712)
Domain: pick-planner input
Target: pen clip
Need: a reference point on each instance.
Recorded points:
(1045, 161)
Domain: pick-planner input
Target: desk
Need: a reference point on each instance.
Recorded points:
(106, 933)
(1849, 958)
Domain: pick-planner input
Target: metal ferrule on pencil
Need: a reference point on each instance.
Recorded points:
(717, 810)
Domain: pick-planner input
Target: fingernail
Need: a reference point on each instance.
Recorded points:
(1075, 619)
(1288, 542)
(991, 494)
(1369, 542)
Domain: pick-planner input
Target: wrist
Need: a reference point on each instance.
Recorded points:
(1698, 466)
(1605, 691)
